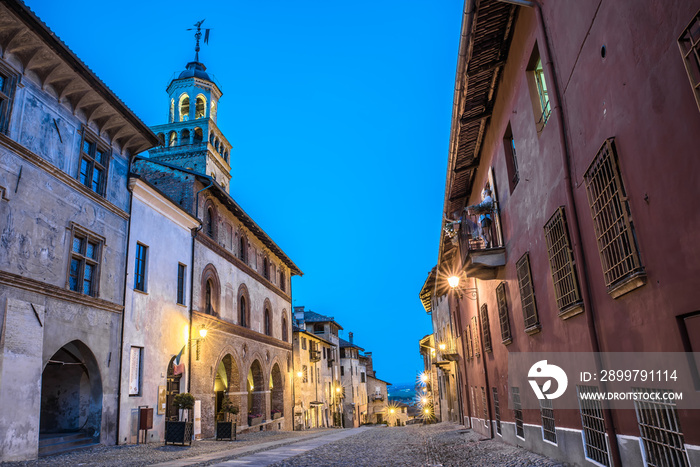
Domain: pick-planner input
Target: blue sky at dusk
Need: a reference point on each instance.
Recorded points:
(339, 116)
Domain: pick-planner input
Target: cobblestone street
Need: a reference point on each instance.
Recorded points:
(441, 444)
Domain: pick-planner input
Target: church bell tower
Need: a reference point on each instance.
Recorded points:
(191, 139)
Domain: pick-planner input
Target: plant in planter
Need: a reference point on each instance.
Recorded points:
(180, 432)
(227, 429)
(276, 413)
(255, 419)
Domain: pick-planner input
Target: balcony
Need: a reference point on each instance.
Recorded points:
(447, 351)
(315, 355)
(377, 397)
(481, 259)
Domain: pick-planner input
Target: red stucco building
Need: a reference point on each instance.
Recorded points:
(582, 119)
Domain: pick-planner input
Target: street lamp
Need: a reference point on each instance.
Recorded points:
(453, 281)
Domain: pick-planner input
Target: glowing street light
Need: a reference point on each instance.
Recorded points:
(453, 281)
(442, 346)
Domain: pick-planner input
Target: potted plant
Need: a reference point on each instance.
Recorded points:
(276, 413)
(226, 429)
(180, 432)
(254, 419)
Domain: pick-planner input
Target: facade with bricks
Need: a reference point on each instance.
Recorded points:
(573, 133)
(66, 142)
(241, 289)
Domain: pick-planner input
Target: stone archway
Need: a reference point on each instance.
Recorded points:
(227, 384)
(256, 390)
(276, 391)
(71, 393)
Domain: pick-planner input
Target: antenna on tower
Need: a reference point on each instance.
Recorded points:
(198, 36)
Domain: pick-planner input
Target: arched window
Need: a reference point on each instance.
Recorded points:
(184, 108)
(185, 136)
(283, 282)
(243, 312)
(200, 108)
(161, 139)
(212, 112)
(211, 138)
(266, 269)
(243, 250)
(172, 139)
(209, 308)
(209, 222)
(268, 324)
(172, 111)
(198, 135)
(285, 333)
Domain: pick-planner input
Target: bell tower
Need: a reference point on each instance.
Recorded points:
(191, 139)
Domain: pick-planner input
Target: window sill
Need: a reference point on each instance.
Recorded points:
(631, 282)
(571, 310)
(181, 304)
(507, 341)
(534, 329)
(141, 292)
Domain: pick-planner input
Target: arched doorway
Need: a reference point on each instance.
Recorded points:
(256, 390)
(71, 393)
(276, 391)
(227, 384)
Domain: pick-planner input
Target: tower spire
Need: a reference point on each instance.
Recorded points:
(198, 36)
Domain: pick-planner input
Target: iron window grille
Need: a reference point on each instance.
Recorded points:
(140, 272)
(8, 84)
(517, 412)
(485, 328)
(549, 432)
(94, 161)
(470, 344)
(527, 295)
(689, 45)
(504, 321)
(661, 431)
(305, 370)
(181, 269)
(496, 410)
(84, 265)
(612, 221)
(593, 423)
(561, 263)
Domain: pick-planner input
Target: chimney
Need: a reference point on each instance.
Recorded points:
(350, 337)
(299, 314)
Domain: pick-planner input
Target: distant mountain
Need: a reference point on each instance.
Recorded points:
(402, 392)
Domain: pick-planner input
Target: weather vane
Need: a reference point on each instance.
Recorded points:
(197, 36)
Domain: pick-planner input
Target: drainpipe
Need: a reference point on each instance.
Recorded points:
(575, 230)
(194, 236)
(126, 275)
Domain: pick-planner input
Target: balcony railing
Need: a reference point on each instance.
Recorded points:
(315, 355)
(447, 351)
(481, 248)
(377, 397)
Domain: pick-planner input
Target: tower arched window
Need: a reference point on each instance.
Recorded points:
(172, 139)
(161, 139)
(184, 108)
(185, 137)
(268, 324)
(285, 333)
(200, 108)
(212, 112)
(209, 222)
(283, 282)
(209, 308)
(266, 269)
(198, 135)
(243, 249)
(242, 313)
(172, 111)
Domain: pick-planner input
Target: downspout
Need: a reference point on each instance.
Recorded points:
(195, 231)
(576, 232)
(126, 275)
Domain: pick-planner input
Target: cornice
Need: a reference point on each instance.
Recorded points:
(230, 257)
(32, 285)
(212, 322)
(60, 175)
